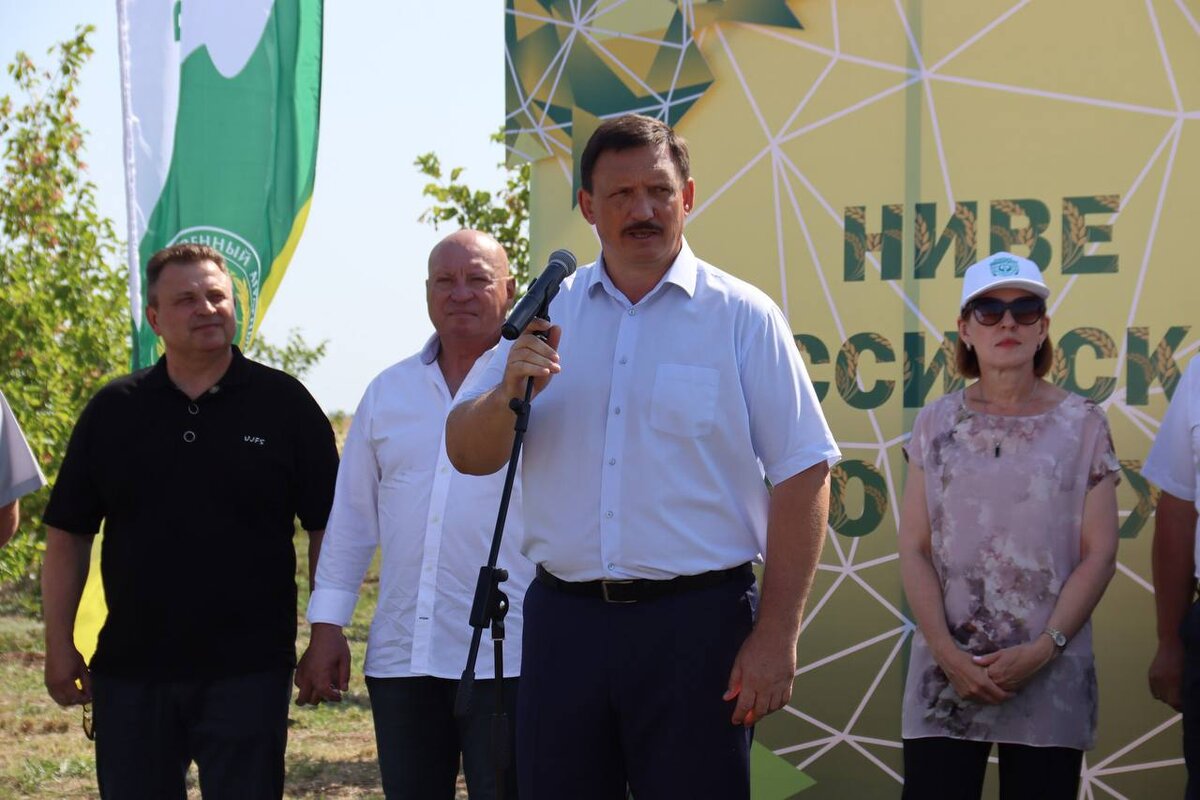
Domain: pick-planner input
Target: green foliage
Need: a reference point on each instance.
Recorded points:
(296, 357)
(64, 320)
(504, 213)
(37, 772)
(340, 421)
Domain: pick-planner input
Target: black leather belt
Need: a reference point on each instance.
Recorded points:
(636, 591)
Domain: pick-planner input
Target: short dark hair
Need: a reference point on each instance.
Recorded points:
(968, 362)
(626, 133)
(182, 253)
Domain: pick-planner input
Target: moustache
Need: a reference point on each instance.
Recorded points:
(643, 227)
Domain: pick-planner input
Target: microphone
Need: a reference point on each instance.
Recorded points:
(560, 265)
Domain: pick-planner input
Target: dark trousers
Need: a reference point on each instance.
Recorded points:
(952, 769)
(615, 694)
(235, 729)
(1191, 699)
(420, 740)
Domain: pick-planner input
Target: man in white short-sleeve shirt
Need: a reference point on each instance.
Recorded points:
(396, 491)
(19, 471)
(668, 394)
(1173, 464)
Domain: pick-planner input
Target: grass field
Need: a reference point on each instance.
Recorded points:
(331, 748)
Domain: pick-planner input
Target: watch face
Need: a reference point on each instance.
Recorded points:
(1060, 639)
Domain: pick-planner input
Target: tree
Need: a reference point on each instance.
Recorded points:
(296, 358)
(504, 213)
(64, 319)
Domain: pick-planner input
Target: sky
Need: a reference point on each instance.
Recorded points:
(399, 79)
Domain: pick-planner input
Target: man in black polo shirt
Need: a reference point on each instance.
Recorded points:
(198, 467)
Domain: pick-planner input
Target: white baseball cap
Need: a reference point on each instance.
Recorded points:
(1002, 271)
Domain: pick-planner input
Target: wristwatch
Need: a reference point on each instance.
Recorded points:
(1058, 637)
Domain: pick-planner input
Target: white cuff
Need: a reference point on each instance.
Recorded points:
(332, 606)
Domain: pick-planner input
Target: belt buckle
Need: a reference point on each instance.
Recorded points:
(604, 591)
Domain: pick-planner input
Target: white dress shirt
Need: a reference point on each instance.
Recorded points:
(19, 471)
(645, 456)
(397, 490)
(1174, 460)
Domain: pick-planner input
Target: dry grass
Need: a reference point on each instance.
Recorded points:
(331, 749)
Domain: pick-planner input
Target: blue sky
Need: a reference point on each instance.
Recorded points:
(400, 79)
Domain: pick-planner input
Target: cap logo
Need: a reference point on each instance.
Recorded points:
(1004, 266)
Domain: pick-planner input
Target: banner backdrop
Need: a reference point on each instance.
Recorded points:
(221, 105)
(851, 159)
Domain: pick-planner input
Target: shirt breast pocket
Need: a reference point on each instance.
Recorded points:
(684, 401)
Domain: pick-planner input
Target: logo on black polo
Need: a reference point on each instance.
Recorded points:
(258, 440)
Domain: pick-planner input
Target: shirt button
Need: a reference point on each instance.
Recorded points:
(444, 470)
(608, 514)
(612, 567)
(633, 312)
(189, 436)
(623, 360)
(617, 410)
(193, 408)
(612, 461)
(435, 520)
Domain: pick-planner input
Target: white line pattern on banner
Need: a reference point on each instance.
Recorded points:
(982, 32)
(1129, 194)
(1183, 9)
(1162, 52)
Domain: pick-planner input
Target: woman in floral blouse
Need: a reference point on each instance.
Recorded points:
(1008, 538)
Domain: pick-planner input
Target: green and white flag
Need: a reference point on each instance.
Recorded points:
(221, 102)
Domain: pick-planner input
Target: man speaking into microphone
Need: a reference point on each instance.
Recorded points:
(665, 393)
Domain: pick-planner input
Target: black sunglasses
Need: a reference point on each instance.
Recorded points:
(1025, 310)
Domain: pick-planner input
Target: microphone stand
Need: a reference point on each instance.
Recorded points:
(491, 604)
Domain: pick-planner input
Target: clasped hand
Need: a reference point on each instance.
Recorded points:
(1166, 673)
(67, 676)
(995, 677)
(1013, 667)
(324, 670)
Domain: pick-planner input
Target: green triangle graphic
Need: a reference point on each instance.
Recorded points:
(772, 778)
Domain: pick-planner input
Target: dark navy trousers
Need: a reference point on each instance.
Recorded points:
(420, 740)
(1190, 631)
(631, 694)
(235, 729)
(941, 768)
